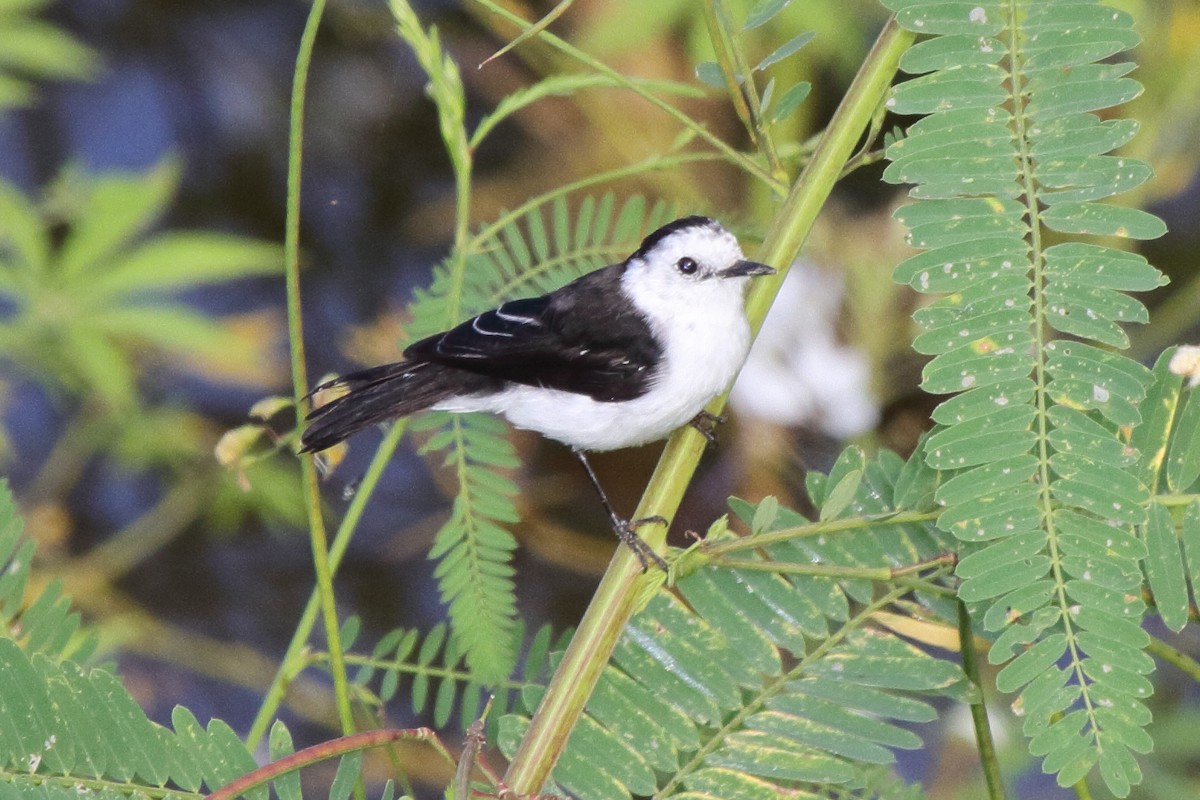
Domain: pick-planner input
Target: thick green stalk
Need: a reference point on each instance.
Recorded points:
(291, 244)
(617, 597)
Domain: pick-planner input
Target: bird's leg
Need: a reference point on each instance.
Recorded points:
(626, 530)
(707, 424)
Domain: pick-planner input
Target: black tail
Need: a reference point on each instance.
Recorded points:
(382, 393)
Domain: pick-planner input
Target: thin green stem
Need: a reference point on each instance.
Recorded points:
(732, 155)
(835, 570)
(723, 546)
(979, 716)
(743, 93)
(616, 598)
(718, 34)
(1042, 336)
(1175, 657)
(291, 245)
(296, 658)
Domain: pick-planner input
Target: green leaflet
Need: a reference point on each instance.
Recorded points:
(45, 622)
(1183, 464)
(763, 12)
(30, 48)
(1158, 412)
(111, 278)
(1038, 468)
(1164, 568)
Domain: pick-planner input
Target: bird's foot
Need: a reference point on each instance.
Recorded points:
(627, 532)
(707, 424)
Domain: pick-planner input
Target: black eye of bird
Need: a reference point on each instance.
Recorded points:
(687, 266)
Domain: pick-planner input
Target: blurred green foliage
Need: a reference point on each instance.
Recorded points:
(94, 293)
(33, 50)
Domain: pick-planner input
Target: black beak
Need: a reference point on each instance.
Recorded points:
(746, 269)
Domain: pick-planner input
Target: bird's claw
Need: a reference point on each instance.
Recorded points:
(706, 423)
(627, 532)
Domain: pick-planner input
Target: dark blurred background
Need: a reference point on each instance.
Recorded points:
(195, 574)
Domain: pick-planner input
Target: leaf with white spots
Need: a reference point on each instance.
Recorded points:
(980, 363)
(976, 18)
(988, 480)
(984, 401)
(1091, 378)
(1102, 219)
(1033, 446)
(947, 51)
(1003, 435)
(955, 267)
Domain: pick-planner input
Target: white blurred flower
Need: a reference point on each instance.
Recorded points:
(798, 372)
(1186, 363)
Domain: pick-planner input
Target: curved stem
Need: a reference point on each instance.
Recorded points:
(325, 751)
(1175, 657)
(617, 597)
(735, 157)
(291, 245)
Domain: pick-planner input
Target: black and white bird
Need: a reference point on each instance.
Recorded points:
(619, 357)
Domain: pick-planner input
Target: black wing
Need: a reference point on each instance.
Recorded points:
(583, 338)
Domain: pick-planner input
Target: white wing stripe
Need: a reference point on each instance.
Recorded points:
(477, 329)
(518, 318)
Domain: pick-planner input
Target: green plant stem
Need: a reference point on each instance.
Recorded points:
(296, 657)
(732, 155)
(723, 546)
(834, 570)
(312, 492)
(1175, 657)
(744, 94)
(616, 598)
(718, 34)
(988, 760)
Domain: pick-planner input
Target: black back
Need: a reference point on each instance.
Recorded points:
(585, 338)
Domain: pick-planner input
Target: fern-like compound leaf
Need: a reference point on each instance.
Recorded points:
(749, 683)
(1048, 498)
(67, 729)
